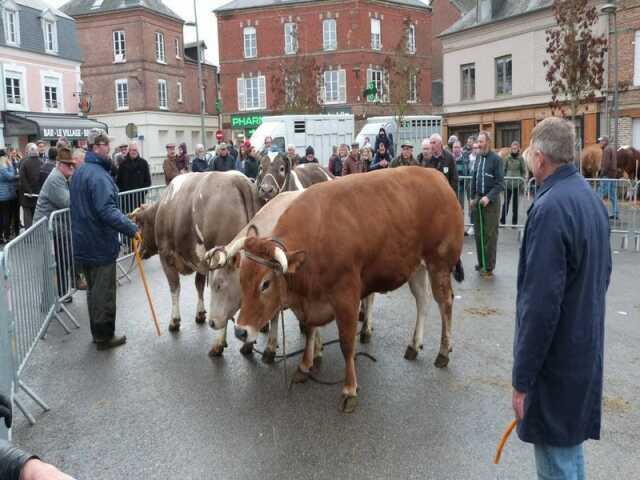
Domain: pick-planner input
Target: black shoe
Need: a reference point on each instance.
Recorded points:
(614, 217)
(111, 343)
(478, 268)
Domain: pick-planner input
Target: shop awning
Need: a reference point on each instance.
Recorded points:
(49, 126)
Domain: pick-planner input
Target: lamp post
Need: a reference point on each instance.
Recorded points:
(199, 61)
(610, 10)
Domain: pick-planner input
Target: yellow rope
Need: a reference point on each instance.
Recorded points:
(137, 241)
(503, 441)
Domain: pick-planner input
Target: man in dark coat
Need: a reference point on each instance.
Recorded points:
(442, 160)
(487, 183)
(382, 137)
(405, 159)
(224, 162)
(133, 174)
(29, 184)
(563, 276)
(309, 156)
(96, 222)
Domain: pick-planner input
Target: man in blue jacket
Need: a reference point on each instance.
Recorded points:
(95, 224)
(563, 276)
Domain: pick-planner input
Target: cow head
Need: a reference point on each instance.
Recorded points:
(145, 218)
(273, 175)
(226, 294)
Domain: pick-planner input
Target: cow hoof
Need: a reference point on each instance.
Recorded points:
(411, 353)
(216, 351)
(240, 334)
(246, 349)
(317, 362)
(268, 357)
(265, 329)
(174, 326)
(361, 316)
(300, 376)
(201, 317)
(441, 361)
(365, 337)
(348, 403)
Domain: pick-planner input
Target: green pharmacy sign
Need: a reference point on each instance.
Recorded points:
(246, 121)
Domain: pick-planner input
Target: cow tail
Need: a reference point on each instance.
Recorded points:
(458, 272)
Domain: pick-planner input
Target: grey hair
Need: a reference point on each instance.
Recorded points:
(199, 146)
(291, 145)
(436, 136)
(32, 148)
(555, 138)
(425, 142)
(78, 152)
(133, 144)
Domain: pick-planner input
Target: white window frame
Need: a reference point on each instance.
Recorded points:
(50, 32)
(379, 76)
(412, 88)
(163, 100)
(334, 87)
(176, 44)
(502, 60)
(16, 72)
(52, 79)
(472, 92)
(125, 104)
(9, 8)
(257, 86)
(411, 40)
(376, 34)
(329, 34)
(160, 51)
(636, 63)
(119, 46)
(179, 87)
(290, 38)
(250, 42)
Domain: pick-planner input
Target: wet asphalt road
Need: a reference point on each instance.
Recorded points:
(160, 408)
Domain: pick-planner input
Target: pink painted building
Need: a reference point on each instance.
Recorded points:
(40, 75)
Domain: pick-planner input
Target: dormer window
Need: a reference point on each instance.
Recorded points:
(50, 32)
(11, 21)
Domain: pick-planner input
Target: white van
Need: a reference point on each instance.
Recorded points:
(414, 129)
(322, 132)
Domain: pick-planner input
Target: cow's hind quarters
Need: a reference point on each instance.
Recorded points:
(348, 403)
(201, 317)
(299, 376)
(365, 337)
(410, 353)
(174, 326)
(441, 361)
(240, 334)
(268, 357)
(246, 349)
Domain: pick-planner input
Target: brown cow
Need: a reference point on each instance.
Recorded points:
(276, 176)
(591, 161)
(628, 160)
(196, 212)
(334, 252)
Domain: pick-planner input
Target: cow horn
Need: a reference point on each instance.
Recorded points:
(133, 214)
(281, 258)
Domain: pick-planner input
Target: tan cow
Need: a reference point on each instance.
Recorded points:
(591, 161)
(276, 176)
(341, 241)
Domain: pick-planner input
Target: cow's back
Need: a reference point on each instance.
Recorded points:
(382, 223)
(307, 174)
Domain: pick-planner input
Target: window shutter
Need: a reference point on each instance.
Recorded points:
(241, 105)
(262, 91)
(636, 77)
(342, 86)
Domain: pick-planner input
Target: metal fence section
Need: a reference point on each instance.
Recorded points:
(29, 274)
(6, 357)
(128, 202)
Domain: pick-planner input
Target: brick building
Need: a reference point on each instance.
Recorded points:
(136, 71)
(628, 24)
(269, 49)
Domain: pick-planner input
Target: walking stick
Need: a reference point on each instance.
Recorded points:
(137, 241)
(482, 254)
(503, 441)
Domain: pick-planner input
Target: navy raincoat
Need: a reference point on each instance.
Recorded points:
(563, 276)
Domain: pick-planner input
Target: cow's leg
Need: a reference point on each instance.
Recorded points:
(269, 354)
(173, 277)
(304, 368)
(366, 310)
(418, 286)
(347, 319)
(317, 348)
(201, 314)
(219, 330)
(440, 277)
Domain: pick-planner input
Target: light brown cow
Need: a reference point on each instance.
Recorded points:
(591, 161)
(276, 176)
(196, 212)
(335, 249)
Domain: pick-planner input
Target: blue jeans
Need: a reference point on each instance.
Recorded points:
(610, 189)
(559, 463)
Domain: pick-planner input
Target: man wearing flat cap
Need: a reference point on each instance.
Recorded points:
(96, 222)
(170, 167)
(353, 163)
(405, 159)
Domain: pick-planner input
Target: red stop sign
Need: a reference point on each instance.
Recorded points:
(219, 135)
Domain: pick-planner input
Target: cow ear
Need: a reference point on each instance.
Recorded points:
(296, 260)
(252, 231)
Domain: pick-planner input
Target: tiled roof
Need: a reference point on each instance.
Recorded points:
(88, 7)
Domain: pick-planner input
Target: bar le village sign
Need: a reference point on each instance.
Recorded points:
(66, 132)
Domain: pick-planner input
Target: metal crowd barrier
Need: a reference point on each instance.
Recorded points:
(129, 201)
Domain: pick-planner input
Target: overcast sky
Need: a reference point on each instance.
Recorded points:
(206, 21)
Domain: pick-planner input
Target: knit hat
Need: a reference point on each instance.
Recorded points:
(309, 151)
(64, 155)
(97, 135)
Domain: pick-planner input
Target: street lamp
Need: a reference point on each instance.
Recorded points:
(610, 10)
(199, 61)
